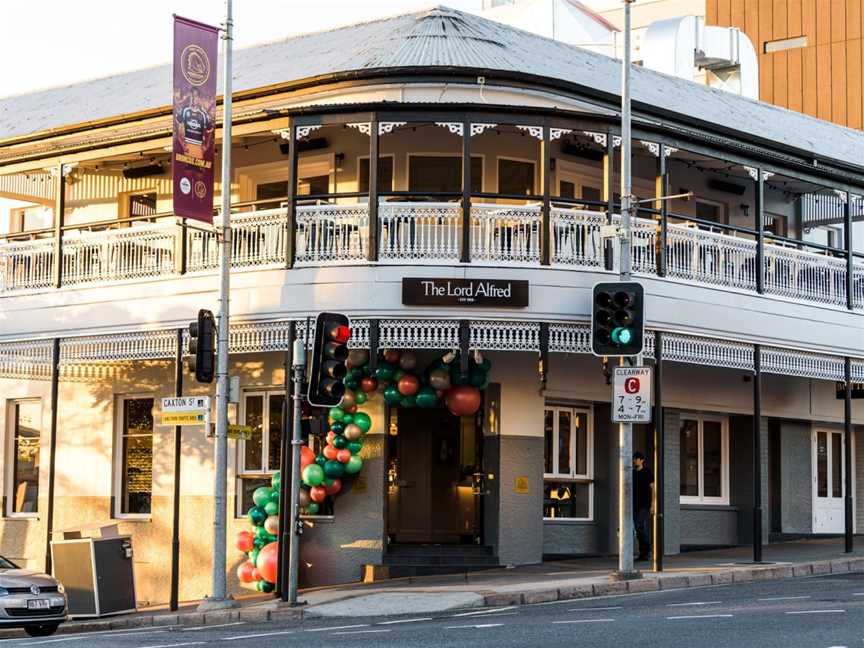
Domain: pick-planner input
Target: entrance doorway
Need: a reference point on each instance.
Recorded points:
(828, 477)
(434, 460)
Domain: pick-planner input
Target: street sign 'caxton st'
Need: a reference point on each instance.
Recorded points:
(510, 293)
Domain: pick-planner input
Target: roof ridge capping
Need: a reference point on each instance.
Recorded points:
(444, 22)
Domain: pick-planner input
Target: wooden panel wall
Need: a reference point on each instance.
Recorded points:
(824, 79)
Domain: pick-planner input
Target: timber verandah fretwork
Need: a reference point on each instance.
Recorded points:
(31, 359)
(465, 227)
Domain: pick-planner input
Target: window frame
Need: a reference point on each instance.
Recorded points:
(510, 158)
(117, 486)
(701, 499)
(572, 477)
(358, 175)
(439, 154)
(242, 471)
(9, 485)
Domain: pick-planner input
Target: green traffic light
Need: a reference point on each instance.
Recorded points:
(622, 335)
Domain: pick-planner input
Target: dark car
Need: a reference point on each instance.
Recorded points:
(30, 600)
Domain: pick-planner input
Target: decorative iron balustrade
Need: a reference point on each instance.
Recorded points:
(419, 232)
(258, 238)
(26, 265)
(332, 234)
(798, 274)
(505, 234)
(576, 237)
(708, 257)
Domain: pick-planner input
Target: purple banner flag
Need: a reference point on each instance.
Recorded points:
(195, 47)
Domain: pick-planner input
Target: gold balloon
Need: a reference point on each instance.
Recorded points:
(348, 400)
(352, 432)
(358, 357)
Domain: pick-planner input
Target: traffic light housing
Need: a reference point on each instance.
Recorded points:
(617, 319)
(202, 347)
(329, 357)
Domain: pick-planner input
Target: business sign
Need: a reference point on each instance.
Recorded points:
(184, 418)
(240, 432)
(185, 403)
(510, 293)
(194, 103)
(631, 395)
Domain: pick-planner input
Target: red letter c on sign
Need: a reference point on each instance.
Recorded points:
(631, 385)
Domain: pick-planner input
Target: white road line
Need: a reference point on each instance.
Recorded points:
(595, 609)
(586, 621)
(404, 621)
(700, 616)
(84, 635)
(817, 612)
(783, 598)
(858, 594)
(174, 645)
(255, 636)
(693, 603)
(490, 611)
(348, 627)
(216, 625)
(354, 632)
(494, 616)
(479, 625)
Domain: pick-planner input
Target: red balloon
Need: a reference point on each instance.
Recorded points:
(335, 487)
(306, 456)
(391, 356)
(330, 452)
(330, 436)
(368, 384)
(408, 385)
(256, 575)
(463, 400)
(245, 541)
(317, 494)
(266, 561)
(350, 410)
(343, 455)
(244, 572)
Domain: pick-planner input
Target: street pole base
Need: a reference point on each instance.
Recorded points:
(210, 604)
(625, 575)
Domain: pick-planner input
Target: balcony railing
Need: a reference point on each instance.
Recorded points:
(432, 233)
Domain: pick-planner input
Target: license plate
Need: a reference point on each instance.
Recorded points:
(38, 604)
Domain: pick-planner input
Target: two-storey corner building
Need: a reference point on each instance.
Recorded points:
(443, 147)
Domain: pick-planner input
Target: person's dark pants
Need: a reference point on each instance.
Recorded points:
(642, 523)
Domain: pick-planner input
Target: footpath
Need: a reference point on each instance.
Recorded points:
(549, 581)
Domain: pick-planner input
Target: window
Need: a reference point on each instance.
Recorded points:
(433, 173)
(515, 177)
(385, 174)
(27, 219)
(142, 205)
(704, 460)
(277, 190)
(135, 458)
(23, 466)
(568, 463)
(710, 211)
(258, 456)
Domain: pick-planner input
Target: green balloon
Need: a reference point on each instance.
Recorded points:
(271, 508)
(348, 418)
(274, 495)
(456, 378)
(350, 382)
(477, 376)
(328, 482)
(253, 555)
(312, 508)
(384, 371)
(266, 587)
(334, 469)
(340, 442)
(336, 413)
(257, 515)
(338, 427)
(259, 585)
(355, 446)
(276, 481)
(408, 401)
(261, 534)
(258, 543)
(486, 364)
(392, 395)
(363, 421)
(313, 475)
(426, 397)
(320, 460)
(261, 495)
(398, 374)
(361, 397)
(354, 465)
(356, 373)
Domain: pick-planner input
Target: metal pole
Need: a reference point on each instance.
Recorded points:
(296, 441)
(52, 452)
(175, 524)
(757, 453)
(847, 458)
(659, 455)
(285, 475)
(219, 595)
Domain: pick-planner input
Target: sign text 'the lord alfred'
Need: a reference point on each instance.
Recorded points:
(510, 293)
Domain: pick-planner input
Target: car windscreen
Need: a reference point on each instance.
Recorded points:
(7, 564)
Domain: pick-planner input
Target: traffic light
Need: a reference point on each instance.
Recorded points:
(202, 347)
(329, 354)
(617, 319)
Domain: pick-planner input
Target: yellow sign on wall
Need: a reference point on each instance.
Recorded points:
(240, 432)
(183, 418)
(522, 485)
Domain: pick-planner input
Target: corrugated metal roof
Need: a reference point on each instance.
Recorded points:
(437, 37)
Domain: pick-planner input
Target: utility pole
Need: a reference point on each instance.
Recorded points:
(219, 597)
(293, 517)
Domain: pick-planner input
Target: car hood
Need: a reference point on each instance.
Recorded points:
(24, 578)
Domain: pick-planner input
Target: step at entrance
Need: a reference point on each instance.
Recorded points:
(435, 559)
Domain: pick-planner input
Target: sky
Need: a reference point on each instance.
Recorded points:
(48, 43)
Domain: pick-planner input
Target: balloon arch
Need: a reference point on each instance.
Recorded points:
(324, 475)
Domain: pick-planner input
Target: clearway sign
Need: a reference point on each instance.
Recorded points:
(631, 395)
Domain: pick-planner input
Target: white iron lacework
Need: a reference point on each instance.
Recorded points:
(303, 131)
(616, 141)
(331, 234)
(858, 370)
(842, 196)
(669, 150)
(140, 345)
(258, 238)
(387, 127)
(284, 133)
(363, 127)
(533, 131)
(556, 133)
(477, 129)
(505, 336)
(26, 265)
(255, 337)
(753, 172)
(418, 334)
(649, 344)
(26, 359)
(570, 338)
(694, 349)
(599, 138)
(789, 362)
(505, 233)
(454, 127)
(419, 231)
(653, 147)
